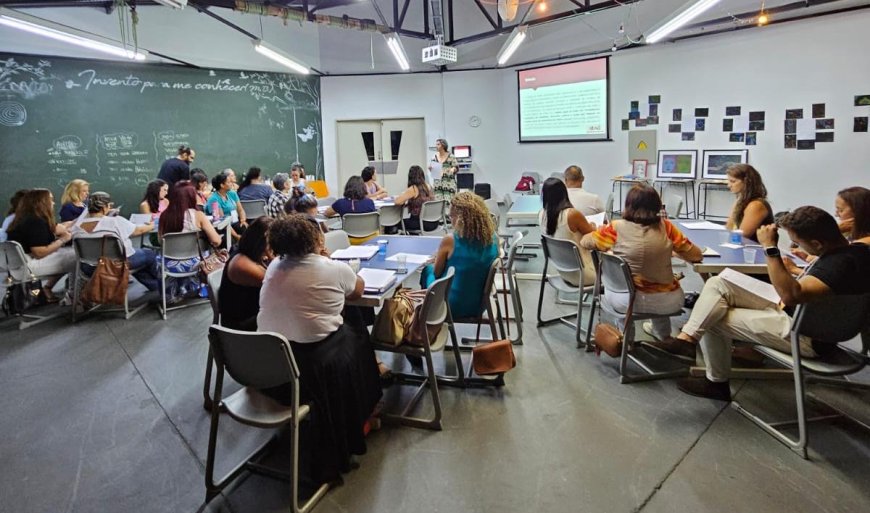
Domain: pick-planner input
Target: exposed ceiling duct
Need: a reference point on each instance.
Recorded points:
(437, 17)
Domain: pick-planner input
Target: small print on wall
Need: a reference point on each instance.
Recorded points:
(677, 164)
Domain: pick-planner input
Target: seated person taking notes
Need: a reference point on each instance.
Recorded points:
(725, 312)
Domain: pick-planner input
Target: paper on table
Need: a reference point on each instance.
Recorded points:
(710, 252)
(757, 287)
(730, 246)
(376, 280)
(140, 218)
(598, 219)
(806, 129)
(361, 252)
(412, 258)
(703, 225)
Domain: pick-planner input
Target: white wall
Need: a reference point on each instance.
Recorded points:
(771, 69)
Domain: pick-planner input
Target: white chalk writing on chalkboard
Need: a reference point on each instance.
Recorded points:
(68, 155)
(167, 142)
(24, 79)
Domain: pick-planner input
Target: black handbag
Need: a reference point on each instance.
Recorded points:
(22, 296)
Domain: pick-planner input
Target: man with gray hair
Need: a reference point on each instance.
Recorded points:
(587, 203)
(275, 205)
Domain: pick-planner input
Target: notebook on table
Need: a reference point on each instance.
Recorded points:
(359, 252)
(377, 280)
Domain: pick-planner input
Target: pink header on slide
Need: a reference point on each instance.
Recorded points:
(570, 73)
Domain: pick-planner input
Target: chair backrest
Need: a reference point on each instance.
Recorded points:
(336, 239)
(492, 205)
(89, 249)
(391, 215)
(608, 207)
(361, 225)
(508, 201)
(214, 287)
(486, 292)
(12, 257)
(674, 206)
(319, 187)
(434, 308)
(433, 211)
(516, 239)
(563, 254)
(254, 208)
(615, 273)
(833, 318)
(254, 359)
(180, 246)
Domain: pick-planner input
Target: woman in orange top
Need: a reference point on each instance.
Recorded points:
(646, 241)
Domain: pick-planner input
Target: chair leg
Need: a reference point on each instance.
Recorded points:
(578, 332)
(163, 284)
(541, 296)
(75, 303)
(594, 304)
(208, 402)
(801, 401)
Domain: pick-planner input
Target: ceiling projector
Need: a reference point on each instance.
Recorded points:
(440, 54)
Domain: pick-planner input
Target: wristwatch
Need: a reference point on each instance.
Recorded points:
(772, 251)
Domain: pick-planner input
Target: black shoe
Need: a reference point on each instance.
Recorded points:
(675, 347)
(702, 387)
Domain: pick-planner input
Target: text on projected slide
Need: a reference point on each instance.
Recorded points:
(564, 102)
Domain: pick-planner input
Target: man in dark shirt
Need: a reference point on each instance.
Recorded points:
(177, 168)
(726, 311)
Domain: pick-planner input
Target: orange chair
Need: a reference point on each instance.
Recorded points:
(319, 187)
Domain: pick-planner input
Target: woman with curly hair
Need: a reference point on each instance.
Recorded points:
(751, 210)
(302, 298)
(470, 251)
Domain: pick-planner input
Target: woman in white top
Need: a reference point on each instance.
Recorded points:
(302, 298)
(97, 223)
(182, 216)
(562, 221)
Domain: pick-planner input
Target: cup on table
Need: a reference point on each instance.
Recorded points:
(382, 246)
(402, 263)
(354, 264)
(736, 237)
(749, 255)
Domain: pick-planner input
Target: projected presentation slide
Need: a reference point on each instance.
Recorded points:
(565, 102)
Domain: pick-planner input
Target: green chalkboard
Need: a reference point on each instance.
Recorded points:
(113, 124)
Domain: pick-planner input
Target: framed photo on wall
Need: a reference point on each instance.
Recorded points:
(715, 163)
(677, 164)
(638, 167)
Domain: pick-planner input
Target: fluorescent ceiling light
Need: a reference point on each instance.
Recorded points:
(280, 57)
(683, 15)
(510, 46)
(175, 4)
(69, 37)
(395, 46)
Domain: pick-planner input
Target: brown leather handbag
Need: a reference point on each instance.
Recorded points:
(609, 338)
(496, 357)
(215, 261)
(108, 284)
(395, 318)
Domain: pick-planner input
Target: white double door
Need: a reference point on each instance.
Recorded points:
(392, 146)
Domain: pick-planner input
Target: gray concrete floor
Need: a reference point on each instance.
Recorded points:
(106, 416)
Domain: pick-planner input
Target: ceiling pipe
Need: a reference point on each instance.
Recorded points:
(290, 13)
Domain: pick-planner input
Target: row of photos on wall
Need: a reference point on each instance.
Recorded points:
(804, 128)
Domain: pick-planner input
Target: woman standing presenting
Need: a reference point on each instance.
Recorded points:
(445, 188)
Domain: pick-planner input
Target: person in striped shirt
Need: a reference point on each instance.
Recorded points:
(646, 240)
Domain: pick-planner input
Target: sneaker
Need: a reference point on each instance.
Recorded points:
(702, 387)
(648, 329)
(675, 347)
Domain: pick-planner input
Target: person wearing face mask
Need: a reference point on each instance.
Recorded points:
(177, 168)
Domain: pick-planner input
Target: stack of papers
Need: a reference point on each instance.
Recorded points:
(360, 252)
(412, 258)
(598, 219)
(377, 280)
(756, 287)
(703, 225)
(710, 252)
(140, 218)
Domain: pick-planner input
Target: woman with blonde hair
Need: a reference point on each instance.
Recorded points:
(470, 250)
(72, 202)
(751, 210)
